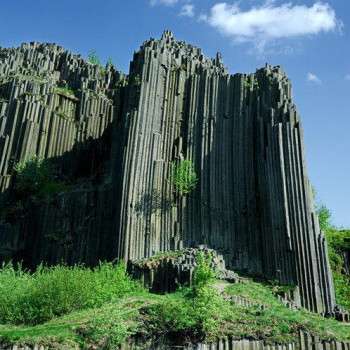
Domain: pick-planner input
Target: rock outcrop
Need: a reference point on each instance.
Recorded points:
(253, 203)
(165, 272)
(306, 342)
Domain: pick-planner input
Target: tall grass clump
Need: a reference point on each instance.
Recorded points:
(49, 292)
(184, 176)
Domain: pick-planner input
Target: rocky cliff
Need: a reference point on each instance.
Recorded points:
(114, 138)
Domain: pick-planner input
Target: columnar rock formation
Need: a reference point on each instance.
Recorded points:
(305, 342)
(253, 202)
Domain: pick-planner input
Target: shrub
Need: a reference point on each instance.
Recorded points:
(32, 174)
(50, 292)
(34, 177)
(203, 274)
(184, 176)
(338, 244)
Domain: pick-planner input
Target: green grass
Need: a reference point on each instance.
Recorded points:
(104, 327)
(279, 323)
(50, 292)
(78, 307)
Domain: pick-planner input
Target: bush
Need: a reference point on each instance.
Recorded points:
(34, 177)
(203, 274)
(184, 176)
(32, 174)
(338, 244)
(324, 217)
(50, 292)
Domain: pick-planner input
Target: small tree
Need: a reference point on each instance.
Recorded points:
(324, 217)
(93, 58)
(203, 274)
(184, 176)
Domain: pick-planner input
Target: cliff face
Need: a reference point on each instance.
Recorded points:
(253, 202)
(55, 105)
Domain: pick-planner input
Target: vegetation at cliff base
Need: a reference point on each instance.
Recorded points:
(78, 307)
(338, 244)
(338, 241)
(34, 298)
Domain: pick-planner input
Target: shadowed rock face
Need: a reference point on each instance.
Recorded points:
(253, 202)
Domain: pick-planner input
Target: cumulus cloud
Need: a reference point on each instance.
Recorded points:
(163, 2)
(187, 10)
(271, 22)
(313, 78)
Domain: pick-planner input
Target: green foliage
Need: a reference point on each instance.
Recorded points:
(51, 292)
(338, 243)
(105, 327)
(342, 289)
(31, 174)
(93, 58)
(324, 216)
(34, 177)
(277, 322)
(111, 326)
(203, 274)
(173, 315)
(196, 312)
(65, 90)
(184, 176)
(205, 316)
(186, 315)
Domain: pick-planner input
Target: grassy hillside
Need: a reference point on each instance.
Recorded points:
(79, 307)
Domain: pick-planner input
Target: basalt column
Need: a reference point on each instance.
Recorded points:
(253, 202)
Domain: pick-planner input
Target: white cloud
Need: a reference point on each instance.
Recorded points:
(313, 78)
(203, 17)
(347, 77)
(271, 22)
(163, 2)
(187, 10)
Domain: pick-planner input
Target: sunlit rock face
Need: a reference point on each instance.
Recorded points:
(114, 140)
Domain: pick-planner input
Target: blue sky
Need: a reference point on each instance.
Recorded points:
(310, 39)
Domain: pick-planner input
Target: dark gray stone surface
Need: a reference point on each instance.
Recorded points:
(305, 342)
